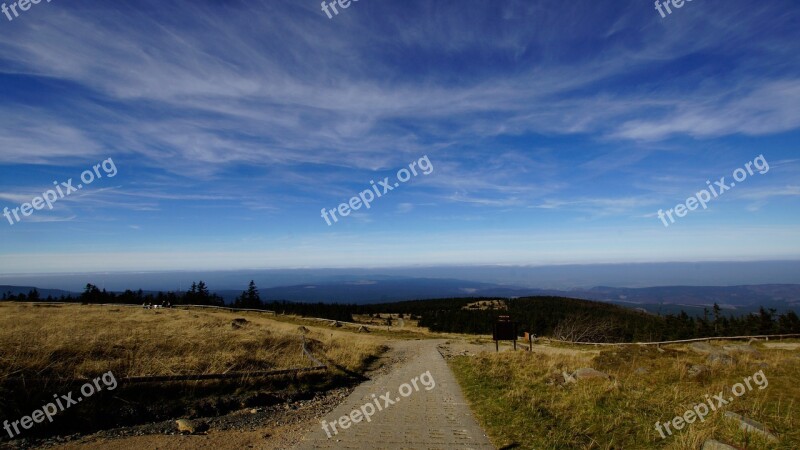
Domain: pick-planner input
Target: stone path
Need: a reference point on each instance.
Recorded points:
(433, 419)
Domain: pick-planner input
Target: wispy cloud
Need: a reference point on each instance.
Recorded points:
(240, 120)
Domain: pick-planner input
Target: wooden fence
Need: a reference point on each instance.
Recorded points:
(684, 341)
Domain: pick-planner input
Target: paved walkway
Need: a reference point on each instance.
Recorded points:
(428, 419)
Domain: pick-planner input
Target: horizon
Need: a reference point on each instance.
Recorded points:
(556, 277)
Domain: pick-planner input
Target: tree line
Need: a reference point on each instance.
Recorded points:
(197, 294)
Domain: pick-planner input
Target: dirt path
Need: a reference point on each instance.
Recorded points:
(427, 419)
(435, 418)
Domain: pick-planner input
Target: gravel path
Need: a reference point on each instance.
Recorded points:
(435, 418)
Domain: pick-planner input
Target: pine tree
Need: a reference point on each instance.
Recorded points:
(202, 290)
(250, 299)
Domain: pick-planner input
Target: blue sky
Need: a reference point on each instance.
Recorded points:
(556, 131)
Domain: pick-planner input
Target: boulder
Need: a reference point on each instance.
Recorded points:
(712, 444)
(588, 373)
(719, 358)
(743, 349)
(751, 426)
(703, 348)
(191, 426)
(697, 370)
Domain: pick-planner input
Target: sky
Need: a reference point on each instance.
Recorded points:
(555, 131)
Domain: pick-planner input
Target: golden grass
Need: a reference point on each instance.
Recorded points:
(75, 341)
(45, 348)
(409, 331)
(521, 398)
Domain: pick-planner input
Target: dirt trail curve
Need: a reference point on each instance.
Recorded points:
(428, 419)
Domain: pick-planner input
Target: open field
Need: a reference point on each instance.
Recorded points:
(523, 400)
(44, 349)
(74, 341)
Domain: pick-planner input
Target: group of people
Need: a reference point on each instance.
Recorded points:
(156, 306)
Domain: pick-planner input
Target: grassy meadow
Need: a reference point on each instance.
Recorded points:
(523, 401)
(44, 348)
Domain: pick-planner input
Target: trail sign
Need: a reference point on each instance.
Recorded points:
(504, 330)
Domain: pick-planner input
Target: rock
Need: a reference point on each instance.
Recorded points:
(719, 358)
(703, 348)
(697, 370)
(744, 349)
(191, 426)
(751, 426)
(711, 444)
(588, 374)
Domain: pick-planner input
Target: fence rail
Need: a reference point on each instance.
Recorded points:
(318, 366)
(683, 341)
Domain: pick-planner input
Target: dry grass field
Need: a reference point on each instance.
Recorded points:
(75, 341)
(44, 348)
(521, 398)
(523, 401)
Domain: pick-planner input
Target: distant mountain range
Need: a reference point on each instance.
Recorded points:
(561, 277)
(663, 300)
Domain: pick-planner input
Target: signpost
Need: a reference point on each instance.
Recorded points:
(504, 330)
(529, 337)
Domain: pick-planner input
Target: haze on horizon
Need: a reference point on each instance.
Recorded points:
(556, 133)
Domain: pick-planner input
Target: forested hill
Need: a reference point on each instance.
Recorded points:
(564, 318)
(572, 319)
